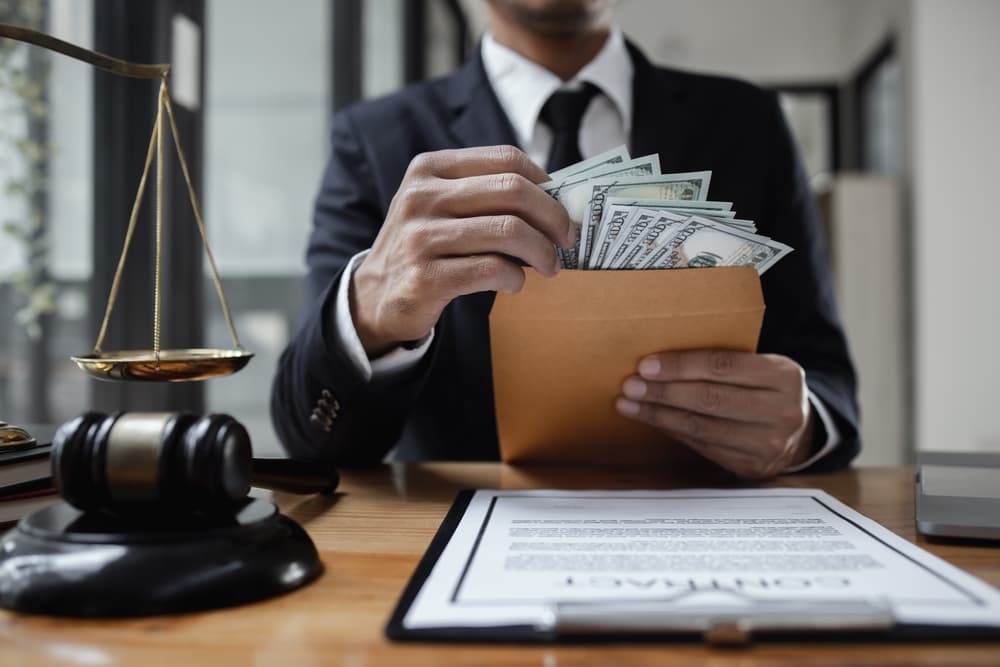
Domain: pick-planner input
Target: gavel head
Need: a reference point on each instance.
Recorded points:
(135, 459)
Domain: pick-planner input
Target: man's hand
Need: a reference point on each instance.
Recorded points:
(749, 413)
(456, 222)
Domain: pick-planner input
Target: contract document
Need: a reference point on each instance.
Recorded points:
(513, 556)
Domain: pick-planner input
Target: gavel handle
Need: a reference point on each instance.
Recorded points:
(292, 476)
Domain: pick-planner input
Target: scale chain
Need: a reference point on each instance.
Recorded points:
(159, 222)
(196, 208)
(133, 218)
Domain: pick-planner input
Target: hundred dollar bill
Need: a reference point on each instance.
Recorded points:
(745, 225)
(614, 226)
(718, 206)
(613, 156)
(708, 209)
(663, 227)
(634, 228)
(704, 243)
(615, 221)
(564, 192)
(708, 213)
(692, 186)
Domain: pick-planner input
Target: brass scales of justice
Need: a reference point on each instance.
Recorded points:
(155, 365)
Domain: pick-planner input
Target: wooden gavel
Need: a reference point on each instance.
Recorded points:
(173, 460)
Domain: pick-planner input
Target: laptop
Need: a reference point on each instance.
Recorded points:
(958, 494)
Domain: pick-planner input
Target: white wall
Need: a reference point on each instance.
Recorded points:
(866, 226)
(867, 23)
(955, 107)
(762, 40)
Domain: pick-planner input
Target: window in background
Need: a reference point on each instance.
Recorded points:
(382, 46)
(46, 190)
(878, 112)
(811, 113)
(447, 37)
(268, 101)
(436, 38)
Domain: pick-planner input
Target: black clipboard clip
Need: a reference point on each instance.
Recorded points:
(719, 623)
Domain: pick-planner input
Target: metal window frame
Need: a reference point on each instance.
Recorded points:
(415, 18)
(884, 53)
(346, 52)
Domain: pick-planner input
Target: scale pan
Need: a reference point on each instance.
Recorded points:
(14, 438)
(173, 365)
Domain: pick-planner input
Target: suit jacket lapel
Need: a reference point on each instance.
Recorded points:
(660, 123)
(477, 118)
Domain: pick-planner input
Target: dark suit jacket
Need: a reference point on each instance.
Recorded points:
(443, 409)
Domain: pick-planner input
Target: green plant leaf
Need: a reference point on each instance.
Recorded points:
(14, 230)
(16, 189)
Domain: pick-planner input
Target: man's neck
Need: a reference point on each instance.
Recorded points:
(563, 55)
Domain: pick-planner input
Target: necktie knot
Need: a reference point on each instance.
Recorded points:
(563, 113)
(565, 108)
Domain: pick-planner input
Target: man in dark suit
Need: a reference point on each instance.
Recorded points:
(427, 210)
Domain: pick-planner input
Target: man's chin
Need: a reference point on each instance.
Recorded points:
(554, 17)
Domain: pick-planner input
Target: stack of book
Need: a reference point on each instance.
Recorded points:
(25, 479)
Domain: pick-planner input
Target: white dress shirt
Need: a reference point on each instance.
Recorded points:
(522, 87)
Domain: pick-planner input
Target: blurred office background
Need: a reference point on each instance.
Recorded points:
(893, 102)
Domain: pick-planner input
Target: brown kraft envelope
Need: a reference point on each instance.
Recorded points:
(563, 346)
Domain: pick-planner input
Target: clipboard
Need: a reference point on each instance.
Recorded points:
(859, 620)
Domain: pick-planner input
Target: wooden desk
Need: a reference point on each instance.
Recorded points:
(371, 536)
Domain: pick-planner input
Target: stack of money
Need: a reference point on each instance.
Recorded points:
(631, 216)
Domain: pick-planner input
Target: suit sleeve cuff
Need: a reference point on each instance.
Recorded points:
(390, 364)
(832, 435)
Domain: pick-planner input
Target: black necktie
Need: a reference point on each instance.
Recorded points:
(562, 113)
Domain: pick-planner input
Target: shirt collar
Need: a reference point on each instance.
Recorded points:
(522, 86)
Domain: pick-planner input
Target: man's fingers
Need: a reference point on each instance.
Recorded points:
(684, 423)
(465, 162)
(748, 369)
(509, 194)
(457, 276)
(507, 234)
(749, 450)
(748, 404)
(490, 180)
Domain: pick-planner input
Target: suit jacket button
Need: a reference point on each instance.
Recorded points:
(321, 422)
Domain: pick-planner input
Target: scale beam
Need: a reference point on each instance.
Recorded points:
(99, 60)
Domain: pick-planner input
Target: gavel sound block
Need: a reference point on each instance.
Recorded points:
(155, 519)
